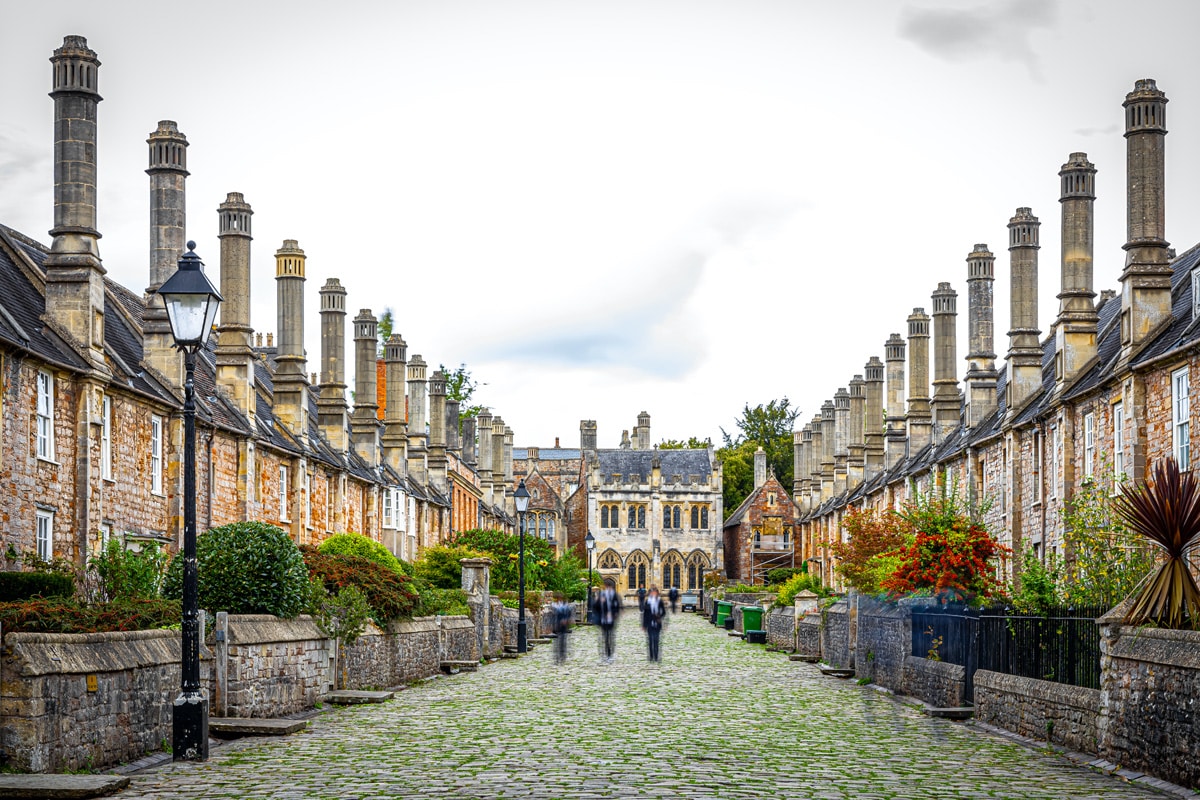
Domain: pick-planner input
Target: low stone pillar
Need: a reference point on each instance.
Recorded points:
(476, 582)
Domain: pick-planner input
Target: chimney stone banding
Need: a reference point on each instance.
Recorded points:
(1024, 344)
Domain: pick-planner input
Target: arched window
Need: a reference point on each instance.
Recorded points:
(676, 518)
(603, 516)
(542, 526)
(641, 576)
(675, 574)
(633, 576)
(691, 577)
(666, 516)
(610, 560)
(695, 517)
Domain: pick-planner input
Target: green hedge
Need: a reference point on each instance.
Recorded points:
(16, 586)
(355, 544)
(245, 568)
(58, 615)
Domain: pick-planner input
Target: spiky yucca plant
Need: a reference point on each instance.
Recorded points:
(1166, 510)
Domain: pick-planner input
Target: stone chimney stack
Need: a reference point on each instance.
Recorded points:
(453, 440)
(1075, 329)
(499, 486)
(395, 416)
(484, 430)
(803, 486)
(437, 430)
(74, 274)
(168, 219)
(873, 417)
(468, 441)
(814, 459)
(364, 423)
(1146, 281)
(417, 433)
(1024, 345)
(841, 439)
(643, 432)
(760, 467)
(508, 470)
(920, 418)
(235, 355)
(332, 408)
(828, 448)
(896, 435)
(798, 456)
(856, 464)
(947, 401)
(291, 373)
(587, 436)
(981, 336)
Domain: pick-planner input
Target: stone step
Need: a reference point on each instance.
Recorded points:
(454, 667)
(61, 786)
(804, 658)
(837, 672)
(233, 727)
(510, 653)
(539, 640)
(351, 697)
(951, 712)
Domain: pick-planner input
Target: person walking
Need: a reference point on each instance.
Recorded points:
(562, 614)
(653, 612)
(608, 609)
(641, 598)
(673, 594)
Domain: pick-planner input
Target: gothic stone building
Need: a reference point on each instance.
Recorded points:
(1100, 398)
(91, 386)
(655, 514)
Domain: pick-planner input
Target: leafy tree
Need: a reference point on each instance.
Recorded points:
(126, 574)
(1105, 561)
(439, 566)
(768, 426)
(869, 556)
(461, 386)
(384, 327)
(1040, 583)
(692, 443)
(503, 548)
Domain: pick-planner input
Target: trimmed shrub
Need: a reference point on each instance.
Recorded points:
(15, 586)
(245, 568)
(125, 574)
(57, 615)
(781, 575)
(355, 544)
(443, 601)
(798, 583)
(389, 594)
(438, 566)
(503, 548)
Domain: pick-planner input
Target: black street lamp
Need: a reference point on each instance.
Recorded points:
(590, 543)
(191, 302)
(522, 500)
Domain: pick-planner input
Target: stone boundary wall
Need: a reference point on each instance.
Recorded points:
(267, 666)
(55, 718)
(1053, 712)
(935, 682)
(835, 635)
(1149, 685)
(808, 635)
(781, 627)
(884, 641)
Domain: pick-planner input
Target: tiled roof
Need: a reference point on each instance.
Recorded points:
(23, 303)
(638, 463)
(1183, 329)
(549, 453)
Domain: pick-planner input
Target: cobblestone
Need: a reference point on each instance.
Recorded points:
(717, 719)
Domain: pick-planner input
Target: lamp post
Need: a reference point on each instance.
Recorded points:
(522, 500)
(191, 302)
(590, 543)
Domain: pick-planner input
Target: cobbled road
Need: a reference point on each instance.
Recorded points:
(717, 719)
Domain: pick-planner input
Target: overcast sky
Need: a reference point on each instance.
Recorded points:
(609, 207)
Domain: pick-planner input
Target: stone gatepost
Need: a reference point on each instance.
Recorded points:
(476, 582)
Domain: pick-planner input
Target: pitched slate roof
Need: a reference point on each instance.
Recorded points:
(1183, 329)
(23, 304)
(549, 453)
(638, 463)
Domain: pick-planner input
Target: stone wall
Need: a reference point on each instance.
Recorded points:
(55, 718)
(935, 682)
(808, 635)
(272, 666)
(781, 627)
(835, 635)
(1054, 712)
(884, 642)
(1150, 679)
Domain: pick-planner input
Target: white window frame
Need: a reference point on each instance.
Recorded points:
(1181, 436)
(1038, 463)
(306, 487)
(44, 534)
(45, 415)
(284, 511)
(1055, 450)
(156, 454)
(106, 532)
(1118, 442)
(1089, 445)
(106, 453)
(389, 509)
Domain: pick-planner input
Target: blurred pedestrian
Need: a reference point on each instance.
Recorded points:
(641, 597)
(674, 595)
(562, 614)
(653, 611)
(608, 609)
